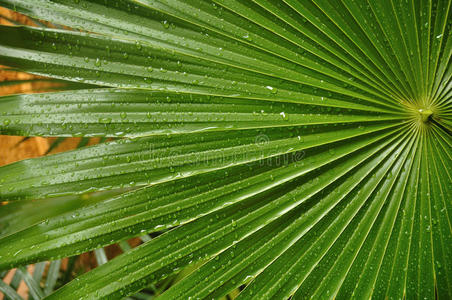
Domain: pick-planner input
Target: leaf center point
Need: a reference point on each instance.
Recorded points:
(425, 114)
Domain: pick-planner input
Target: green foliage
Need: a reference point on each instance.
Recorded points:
(287, 148)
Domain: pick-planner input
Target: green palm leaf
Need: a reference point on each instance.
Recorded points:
(290, 148)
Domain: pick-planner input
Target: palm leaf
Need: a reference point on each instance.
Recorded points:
(289, 148)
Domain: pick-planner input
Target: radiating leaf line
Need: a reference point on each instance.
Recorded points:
(265, 292)
(185, 12)
(405, 34)
(439, 35)
(294, 226)
(35, 62)
(384, 231)
(74, 221)
(204, 238)
(393, 35)
(323, 288)
(150, 114)
(345, 26)
(446, 232)
(358, 14)
(144, 37)
(399, 268)
(211, 160)
(425, 267)
(306, 12)
(285, 17)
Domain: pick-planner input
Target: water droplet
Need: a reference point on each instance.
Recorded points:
(105, 120)
(165, 24)
(272, 89)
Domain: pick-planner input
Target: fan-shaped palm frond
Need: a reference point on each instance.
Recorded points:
(300, 148)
